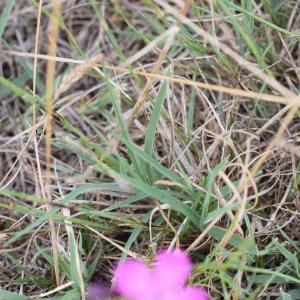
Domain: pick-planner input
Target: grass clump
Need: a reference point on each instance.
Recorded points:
(173, 124)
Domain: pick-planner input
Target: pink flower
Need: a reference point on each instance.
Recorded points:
(165, 281)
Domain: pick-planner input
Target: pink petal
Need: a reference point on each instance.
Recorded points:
(194, 293)
(171, 269)
(173, 294)
(133, 280)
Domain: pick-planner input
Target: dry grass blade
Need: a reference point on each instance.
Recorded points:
(217, 88)
(34, 123)
(283, 127)
(152, 45)
(52, 46)
(141, 99)
(76, 74)
(57, 289)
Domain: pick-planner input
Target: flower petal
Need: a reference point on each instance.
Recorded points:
(194, 293)
(173, 294)
(133, 280)
(171, 269)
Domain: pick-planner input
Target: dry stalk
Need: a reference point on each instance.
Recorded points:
(34, 124)
(53, 32)
(76, 74)
(213, 87)
(284, 125)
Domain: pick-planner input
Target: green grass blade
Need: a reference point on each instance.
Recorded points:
(264, 21)
(5, 15)
(151, 161)
(236, 240)
(209, 186)
(164, 196)
(150, 133)
(5, 295)
(27, 97)
(75, 261)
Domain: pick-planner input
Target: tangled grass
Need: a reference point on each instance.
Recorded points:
(127, 127)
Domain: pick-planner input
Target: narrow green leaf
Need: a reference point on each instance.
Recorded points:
(209, 185)
(165, 197)
(19, 81)
(236, 240)
(151, 129)
(151, 161)
(217, 213)
(125, 202)
(264, 21)
(5, 295)
(292, 258)
(89, 187)
(27, 97)
(5, 15)
(75, 261)
(140, 169)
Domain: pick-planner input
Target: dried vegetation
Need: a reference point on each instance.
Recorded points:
(174, 123)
